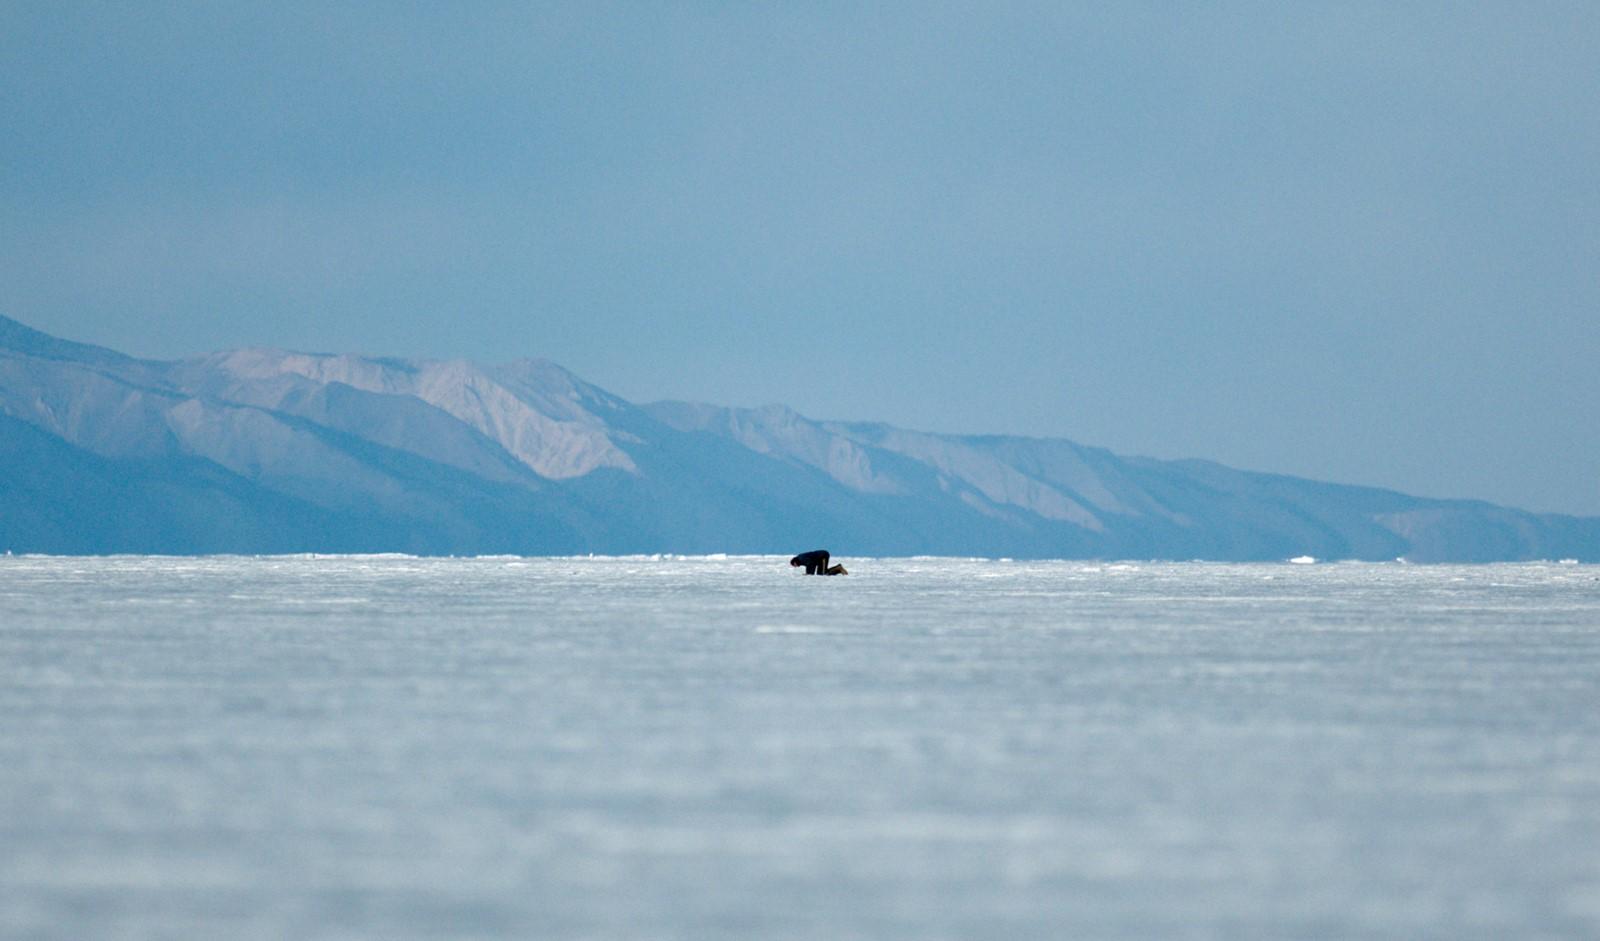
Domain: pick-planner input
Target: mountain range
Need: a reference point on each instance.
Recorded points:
(269, 451)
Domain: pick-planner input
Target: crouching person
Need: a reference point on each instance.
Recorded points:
(816, 563)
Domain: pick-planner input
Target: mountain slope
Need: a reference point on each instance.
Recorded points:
(274, 451)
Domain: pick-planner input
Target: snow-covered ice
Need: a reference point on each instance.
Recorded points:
(709, 748)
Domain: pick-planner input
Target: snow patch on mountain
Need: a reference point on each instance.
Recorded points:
(781, 432)
(536, 412)
(996, 480)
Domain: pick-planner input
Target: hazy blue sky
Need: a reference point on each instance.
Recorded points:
(1346, 241)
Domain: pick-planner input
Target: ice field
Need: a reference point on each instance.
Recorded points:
(720, 748)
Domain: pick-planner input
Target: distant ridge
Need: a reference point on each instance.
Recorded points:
(272, 451)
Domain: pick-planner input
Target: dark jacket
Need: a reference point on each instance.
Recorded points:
(815, 561)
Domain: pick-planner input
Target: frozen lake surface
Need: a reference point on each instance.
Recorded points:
(396, 748)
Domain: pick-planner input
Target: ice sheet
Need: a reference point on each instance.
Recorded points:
(661, 747)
